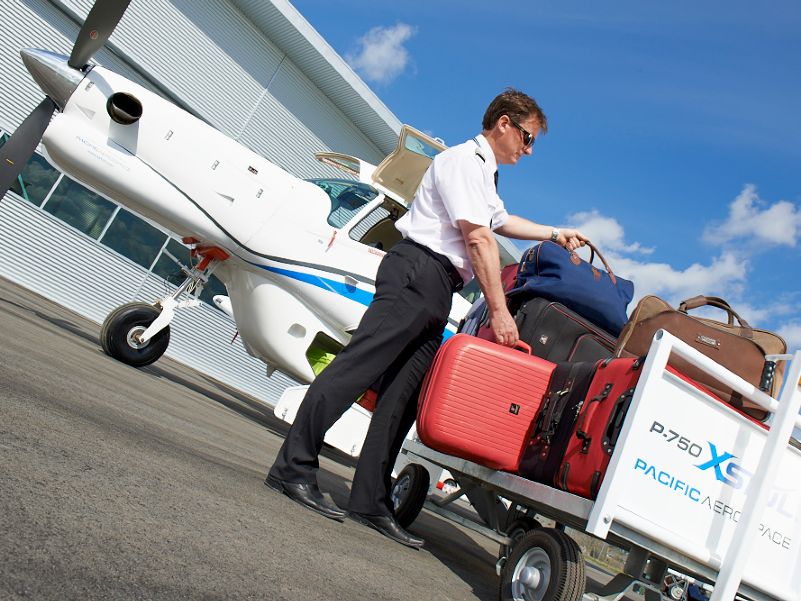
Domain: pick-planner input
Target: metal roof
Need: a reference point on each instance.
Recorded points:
(293, 34)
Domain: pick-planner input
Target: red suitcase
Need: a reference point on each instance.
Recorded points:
(479, 400)
(598, 426)
(600, 421)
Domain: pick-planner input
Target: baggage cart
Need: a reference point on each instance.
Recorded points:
(692, 485)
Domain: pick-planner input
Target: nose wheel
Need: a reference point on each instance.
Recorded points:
(137, 333)
(121, 335)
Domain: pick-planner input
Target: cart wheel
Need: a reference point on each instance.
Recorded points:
(545, 565)
(676, 592)
(517, 530)
(409, 493)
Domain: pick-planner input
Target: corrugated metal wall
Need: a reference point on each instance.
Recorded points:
(210, 58)
(42, 253)
(215, 61)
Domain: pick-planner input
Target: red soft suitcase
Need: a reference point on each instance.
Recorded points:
(598, 426)
(479, 401)
(600, 421)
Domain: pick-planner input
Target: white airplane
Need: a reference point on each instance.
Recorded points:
(298, 258)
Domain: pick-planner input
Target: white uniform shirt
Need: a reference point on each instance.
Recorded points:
(459, 185)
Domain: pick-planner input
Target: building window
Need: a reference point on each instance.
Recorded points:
(174, 256)
(169, 266)
(36, 179)
(133, 237)
(81, 208)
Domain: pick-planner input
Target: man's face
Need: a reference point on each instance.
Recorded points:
(511, 144)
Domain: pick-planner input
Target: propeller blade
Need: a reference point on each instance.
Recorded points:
(14, 154)
(99, 24)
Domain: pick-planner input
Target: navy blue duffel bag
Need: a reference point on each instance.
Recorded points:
(550, 271)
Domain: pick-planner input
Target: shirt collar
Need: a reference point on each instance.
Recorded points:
(486, 150)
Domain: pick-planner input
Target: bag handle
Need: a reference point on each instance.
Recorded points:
(713, 301)
(593, 252)
(522, 346)
(587, 415)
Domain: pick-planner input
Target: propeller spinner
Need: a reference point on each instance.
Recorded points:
(58, 76)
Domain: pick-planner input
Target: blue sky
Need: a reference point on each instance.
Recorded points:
(674, 128)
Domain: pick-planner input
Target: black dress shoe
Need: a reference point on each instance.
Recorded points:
(307, 495)
(387, 526)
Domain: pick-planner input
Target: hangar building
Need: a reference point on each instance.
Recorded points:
(254, 69)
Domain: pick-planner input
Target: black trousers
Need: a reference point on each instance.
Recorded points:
(396, 341)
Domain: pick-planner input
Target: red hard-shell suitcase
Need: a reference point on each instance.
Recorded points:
(479, 400)
(600, 421)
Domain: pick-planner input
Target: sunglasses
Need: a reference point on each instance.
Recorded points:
(528, 139)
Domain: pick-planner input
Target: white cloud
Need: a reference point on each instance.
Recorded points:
(751, 218)
(382, 56)
(605, 232)
(724, 275)
(792, 335)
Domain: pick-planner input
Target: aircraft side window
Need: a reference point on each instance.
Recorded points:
(377, 229)
(347, 198)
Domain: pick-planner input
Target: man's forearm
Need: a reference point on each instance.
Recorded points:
(486, 265)
(523, 229)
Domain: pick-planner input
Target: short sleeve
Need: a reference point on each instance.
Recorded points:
(462, 186)
(499, 215)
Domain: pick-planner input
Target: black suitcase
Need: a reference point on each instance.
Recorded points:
(557, 334)
(556, 420)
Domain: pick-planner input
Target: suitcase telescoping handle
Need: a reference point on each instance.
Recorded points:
(586, 417)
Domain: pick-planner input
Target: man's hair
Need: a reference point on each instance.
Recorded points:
(517, 105)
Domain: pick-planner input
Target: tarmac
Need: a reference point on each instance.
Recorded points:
(123, 483)
(147, 484)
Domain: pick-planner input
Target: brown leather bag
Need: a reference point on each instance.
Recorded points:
(737, 346)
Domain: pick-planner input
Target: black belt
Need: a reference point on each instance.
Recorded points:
(457, 283)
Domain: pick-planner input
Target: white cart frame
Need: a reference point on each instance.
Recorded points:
(691, 484)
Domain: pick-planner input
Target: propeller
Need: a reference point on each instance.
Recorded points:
(15, 153)
(99, 25)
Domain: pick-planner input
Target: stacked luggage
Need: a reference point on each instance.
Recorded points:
(553, 412)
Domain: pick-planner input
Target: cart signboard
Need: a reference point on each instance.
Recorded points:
(682, 474)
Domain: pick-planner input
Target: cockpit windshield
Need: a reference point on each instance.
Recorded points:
(348, 197)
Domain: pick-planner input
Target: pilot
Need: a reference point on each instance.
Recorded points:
(448, 238)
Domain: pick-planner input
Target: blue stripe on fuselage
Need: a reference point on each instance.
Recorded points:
(351, 292)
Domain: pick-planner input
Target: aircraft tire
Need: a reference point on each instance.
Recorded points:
(116, 335)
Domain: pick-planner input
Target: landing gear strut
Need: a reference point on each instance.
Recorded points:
(137, 333)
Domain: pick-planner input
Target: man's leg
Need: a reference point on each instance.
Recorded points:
(399, 313)
(395, 413)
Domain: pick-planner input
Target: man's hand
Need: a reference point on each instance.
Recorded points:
(571, 239)
(503, 327)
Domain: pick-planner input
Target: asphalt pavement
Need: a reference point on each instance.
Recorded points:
(118, 483)
(145, 484)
